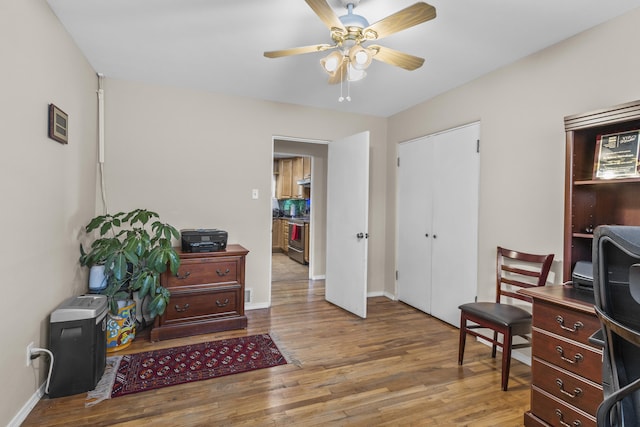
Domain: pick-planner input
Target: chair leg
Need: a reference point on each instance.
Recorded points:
(463, 338)
(506, 359)
(494, 346)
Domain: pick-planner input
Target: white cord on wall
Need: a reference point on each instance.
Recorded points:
(103, 189)
(38, 350)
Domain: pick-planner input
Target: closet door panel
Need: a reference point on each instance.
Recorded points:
(414, 223)
(455, 222)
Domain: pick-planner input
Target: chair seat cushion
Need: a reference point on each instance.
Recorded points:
(503, 314)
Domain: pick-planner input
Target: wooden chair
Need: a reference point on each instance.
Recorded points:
(514, 270)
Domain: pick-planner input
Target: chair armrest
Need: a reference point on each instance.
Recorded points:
(603, 414)
(597, 338)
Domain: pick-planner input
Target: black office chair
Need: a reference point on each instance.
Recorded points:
(514, 270)
(616, 279)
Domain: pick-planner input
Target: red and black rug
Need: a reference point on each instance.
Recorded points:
(150, 370)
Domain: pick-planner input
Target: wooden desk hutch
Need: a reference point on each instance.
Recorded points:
(566, 369)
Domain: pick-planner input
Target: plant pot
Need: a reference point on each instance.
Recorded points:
(121, 328)
(97, 279)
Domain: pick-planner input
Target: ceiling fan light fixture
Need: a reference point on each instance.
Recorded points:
(354, 74)
(359, 57)
(331, 63)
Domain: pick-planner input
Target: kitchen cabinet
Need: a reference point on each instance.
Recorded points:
(290, 171)
(276, 235)
(566, 368)
(591, 202)
(284, 179)
(438, 222)
(306, 167)
(284, 242)
(207, 294)
(297, 175)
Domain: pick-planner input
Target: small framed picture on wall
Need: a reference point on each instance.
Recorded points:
(58, 125)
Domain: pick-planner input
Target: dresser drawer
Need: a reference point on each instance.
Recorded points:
(564, 385)
(565, 322)
(556, 412)
(203, 305)
(584, 361)
(203, 272)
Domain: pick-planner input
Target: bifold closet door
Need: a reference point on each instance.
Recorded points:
(438, 183)
(414, 219)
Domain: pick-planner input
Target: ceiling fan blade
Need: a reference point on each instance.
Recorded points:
(394, 57)
(326, 14)
(341, 73)
(298, 50)
(406, 18)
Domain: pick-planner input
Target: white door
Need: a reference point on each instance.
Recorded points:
(438, 244)
(415, 218)
(347, 223)
(455, 224)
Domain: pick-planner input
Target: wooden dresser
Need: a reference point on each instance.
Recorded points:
(207, 294)
(566, 385)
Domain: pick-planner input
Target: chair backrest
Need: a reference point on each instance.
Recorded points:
(616, 282)
(516, 270)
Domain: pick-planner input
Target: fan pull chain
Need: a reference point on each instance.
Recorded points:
(342, 98)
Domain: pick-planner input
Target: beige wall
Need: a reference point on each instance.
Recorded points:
(521, 109)
(47, 188)
(194, 158)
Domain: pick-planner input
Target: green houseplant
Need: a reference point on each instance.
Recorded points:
(135, 248)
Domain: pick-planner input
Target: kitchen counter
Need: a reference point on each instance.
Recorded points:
(298, 219)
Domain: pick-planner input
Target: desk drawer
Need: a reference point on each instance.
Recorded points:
(556, 412)
(563, 385)
(203, 305)
(203, 272)
(584, 361)
(567, 323)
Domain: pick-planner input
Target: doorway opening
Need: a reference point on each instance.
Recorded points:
(298, 209)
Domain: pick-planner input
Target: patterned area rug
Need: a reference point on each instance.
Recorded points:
(150, 370)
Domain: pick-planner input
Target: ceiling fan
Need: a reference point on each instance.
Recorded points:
(351, 33)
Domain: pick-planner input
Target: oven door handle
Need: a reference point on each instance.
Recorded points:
(291, 248)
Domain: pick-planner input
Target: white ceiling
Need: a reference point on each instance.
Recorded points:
(218, 45)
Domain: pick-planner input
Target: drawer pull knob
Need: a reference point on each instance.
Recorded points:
(576, 391)
(222, 273)
(577, 325)
(222, 304)
(187, 274)
(577, 358)
(182, 309)
(575, 423)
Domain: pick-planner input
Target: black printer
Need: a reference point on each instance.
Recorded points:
(203, 240)
(582, 275)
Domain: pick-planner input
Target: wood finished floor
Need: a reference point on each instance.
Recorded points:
(396, 368)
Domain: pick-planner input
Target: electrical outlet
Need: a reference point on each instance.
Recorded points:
(29, 349)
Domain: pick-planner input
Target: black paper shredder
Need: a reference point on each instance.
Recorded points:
(77, 339)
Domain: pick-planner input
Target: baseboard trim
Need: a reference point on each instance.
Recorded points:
(27, 407)
(257, 306)
(515, 354)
